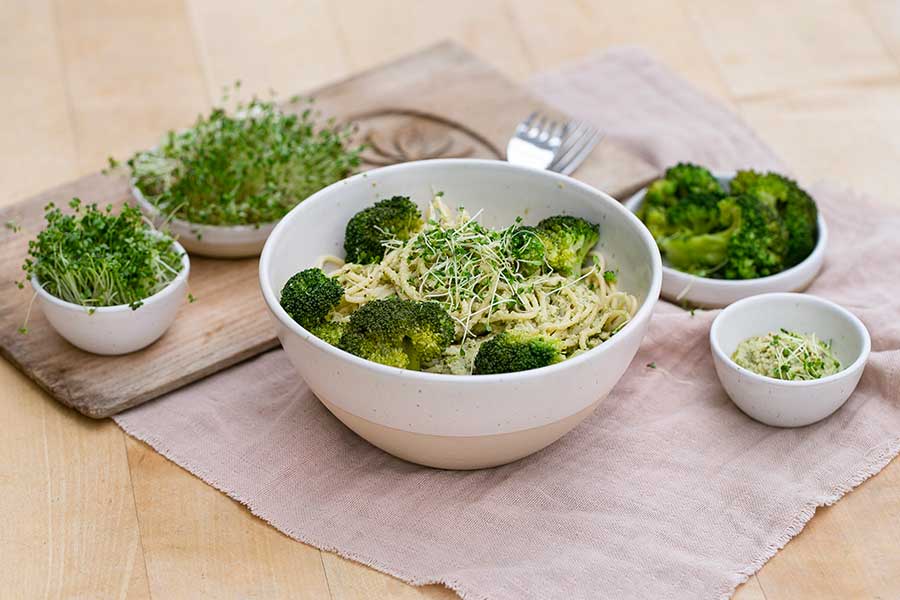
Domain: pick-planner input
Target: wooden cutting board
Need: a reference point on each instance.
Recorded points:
(441, 102)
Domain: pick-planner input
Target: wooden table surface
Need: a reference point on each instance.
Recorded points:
(88, 512)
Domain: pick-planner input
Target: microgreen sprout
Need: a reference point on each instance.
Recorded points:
(468, 262)
(246, 166)
(787, 355)
(94, 257)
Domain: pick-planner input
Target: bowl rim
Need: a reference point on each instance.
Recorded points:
(636, 200)
(843, 313)
(643, 312)
(117, 308)
(191, 226)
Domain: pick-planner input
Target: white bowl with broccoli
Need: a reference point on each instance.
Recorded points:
(699, 268)
(448, 420)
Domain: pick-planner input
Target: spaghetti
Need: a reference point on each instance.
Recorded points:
(469, 269)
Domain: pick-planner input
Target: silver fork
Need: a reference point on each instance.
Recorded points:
(544, 143)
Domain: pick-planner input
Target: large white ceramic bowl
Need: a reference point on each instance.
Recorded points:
(215, 241)
(715, 293)
(789, 403)
(117, 329)
(460, 422)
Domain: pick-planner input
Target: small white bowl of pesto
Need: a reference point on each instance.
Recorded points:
(788, 360)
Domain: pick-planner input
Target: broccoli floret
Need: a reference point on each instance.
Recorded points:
(329, 331)
(685, 200)
(508, 352)
(394, 218)
(693, 179)
(309, 296)
(399, 333)
(794, 206)
(567, 240)
(698, 213)
(526, 248)
(753, 243)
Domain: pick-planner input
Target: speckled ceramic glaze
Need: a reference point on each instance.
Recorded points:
(789, 403)
(447, 421)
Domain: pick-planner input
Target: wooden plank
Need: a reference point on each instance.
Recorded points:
(847, 135)
(37, 140)
(198, 543)
(751, 590)
(205, 338)
(65, 492)
(780, 45)
(349, 580)
(559, 32)
(131, 74)
(281, 45)
(849, 550)
(67, 516)
(472, 109)
(374, 32)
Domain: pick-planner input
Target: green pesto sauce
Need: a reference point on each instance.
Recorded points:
(787, 355)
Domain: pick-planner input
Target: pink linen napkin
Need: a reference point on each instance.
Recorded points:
(667, 491)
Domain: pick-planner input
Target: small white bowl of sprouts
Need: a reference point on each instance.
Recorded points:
(220, 185)
(460, 313)
(788, 359)
(106, 281)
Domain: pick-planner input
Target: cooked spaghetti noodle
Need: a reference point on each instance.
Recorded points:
(466, 267)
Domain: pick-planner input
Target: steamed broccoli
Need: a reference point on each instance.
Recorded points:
(309, 296)
(693, 179)
(566, 241)
(398, 333)
(795, 207)
(753, 243)
(526, 248)
(686, 199)
(511, 351)
(393, 218)
(329, 331)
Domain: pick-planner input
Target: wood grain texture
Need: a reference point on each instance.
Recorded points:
(856, 133)
(475, 108)
(241, 41)
(38, 144)
(849, 550)
(131, 73)
(198, 543)
(227, 324)
(404, 26)
(774, 46)
(68, 524)
(65, 489)
(556, 33)
(38, 151)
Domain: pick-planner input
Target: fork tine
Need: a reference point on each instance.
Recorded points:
(539, 128)
(586, 148)
(526, 122)
(572, 140)
(556, 129)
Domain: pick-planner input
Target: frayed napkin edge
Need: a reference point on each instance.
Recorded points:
(877, 461)
(871, 467)
(192, 467)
